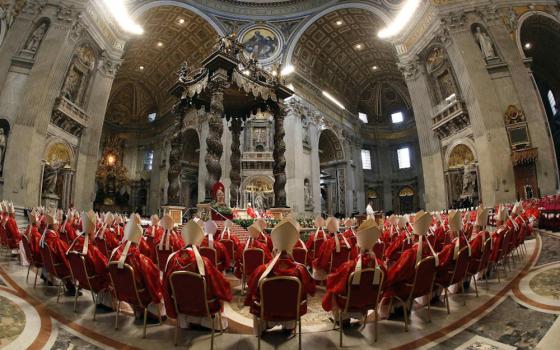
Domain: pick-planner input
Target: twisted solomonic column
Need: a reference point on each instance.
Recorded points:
(214, 148)
(235, 172)
(279, 168)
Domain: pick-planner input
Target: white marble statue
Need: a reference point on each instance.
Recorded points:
(485, 43)
(36, 38)
(3, 144)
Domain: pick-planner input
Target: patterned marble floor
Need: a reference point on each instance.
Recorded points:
(494, 321)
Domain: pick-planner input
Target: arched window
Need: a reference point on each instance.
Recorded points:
(552, 102)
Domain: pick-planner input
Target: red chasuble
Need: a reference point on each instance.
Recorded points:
(285, 266)
(323, 259)
(221, 254)
(337, 282)
(145, 272)
(217, 287)
(58, 250)
(96, 262)
(12, 232)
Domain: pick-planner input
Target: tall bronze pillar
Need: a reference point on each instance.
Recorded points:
(279, 168)
(214, 148)
(235, 172)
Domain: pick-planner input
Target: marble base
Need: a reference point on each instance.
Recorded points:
(280, 213)
(176, 213)
(50, 201)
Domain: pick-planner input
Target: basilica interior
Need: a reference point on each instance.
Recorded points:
(271, 109)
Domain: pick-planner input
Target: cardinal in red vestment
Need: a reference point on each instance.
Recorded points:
(403, 271)
(251, 211)
(153, 233)
(96, 262)
(146, 273)
(189, 259)
(316, 239)
(169, 241)
(33, 235)
(105, 238)
(450, 251)
(498, 235)
(252, 242)
(264, 237)
(284, 236)
(337, 283)
(51, 240)
(328, 258)
(401, 241)
(227, 235)
(349, 232)
(11, 229)
(67, 229)
(222, 257)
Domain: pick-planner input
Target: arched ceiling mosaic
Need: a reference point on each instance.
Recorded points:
(171, 36)
(341, 53)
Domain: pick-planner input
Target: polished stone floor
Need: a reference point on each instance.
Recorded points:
(517, 313)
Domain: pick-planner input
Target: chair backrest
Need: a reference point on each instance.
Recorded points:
(79, 270)
(486, 252)
(189, 293)
(28, 252)
(101, 244)
(124, 283)
(461, 265)
(48, 260)
(423, 277)
(300, 255)
(379, 249)
(365, 295)
(210, 253)
(280, 298)
(162, 256)
(230, 247)
(252, 258)
(505, 243)
(317, 245)
(339, 258)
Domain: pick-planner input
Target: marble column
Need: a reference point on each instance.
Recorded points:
(295, 163)
(279, 168)
(214, 147)
(235, 171)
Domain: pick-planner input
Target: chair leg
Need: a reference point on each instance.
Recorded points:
(177, 331)
(498, 272)
(375, 325)
(463, 292)
(259, 334)
(213, 331)
(475, 285)
(94, 305)
(446, 300)
(76, 299)
(145, 322)
(117, 315)
(36, 273)
(221, 324)
(299, 334)
(27, 278)
(405, 316)
(58, 291)
(340, 326)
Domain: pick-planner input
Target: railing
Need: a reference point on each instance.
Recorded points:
(257, 156)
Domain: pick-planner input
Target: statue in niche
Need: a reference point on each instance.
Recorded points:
(469, 180)
(36, 37)
(50, 176)
(308, 197)
(446, 85)
(485, 43)
(259, 201)
(72, 85)
(3, 144)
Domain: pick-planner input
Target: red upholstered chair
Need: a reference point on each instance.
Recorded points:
(126, 289)
(300, 255)
(455, 275)
(33, 259)
(252, 258)
(480, 264)
(189, 293)
(339, 258)
(230, 248)
(83, 278)
(501, 257)
(280, 301)
(162, 256)
(422, 284)
(102, 246)
(54, 269)
(210, 253)
(360, 298)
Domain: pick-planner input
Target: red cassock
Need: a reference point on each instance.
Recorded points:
(34, 238)
(175, 242)
(265, 238)
(251, 212)
(285, 266)
(313, 246)
(403, 271)
(12, 233)
(323, 257)
(58, 249)
(351, 237)
(239, 254)
(95, 262)
(440, 238)
(145, 272)
(150, 235)
(217, 287)
(221, 253)
(70, 231)
(119, 231)
(108, 239)
(337, 282)
(397, 246)
(227, 235)
(3, 235)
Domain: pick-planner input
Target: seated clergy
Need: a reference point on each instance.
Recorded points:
(169, 240)
(33, 235)
(349, 232)
(227, 234)
(264, 237)
(145, 271)
(105, 238)
(68, 228)
(222, 257)
(391, 232)
(401, 240)
(284, 237)
(118, 227)
(316, 239)
(96, 262)
(450, 251)
(153, 232)
(11, 229)
(58, 248)
(404, 269)
(337, 282)
(189, 259)
(252, 242)
(324, 262)
(479, 236)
